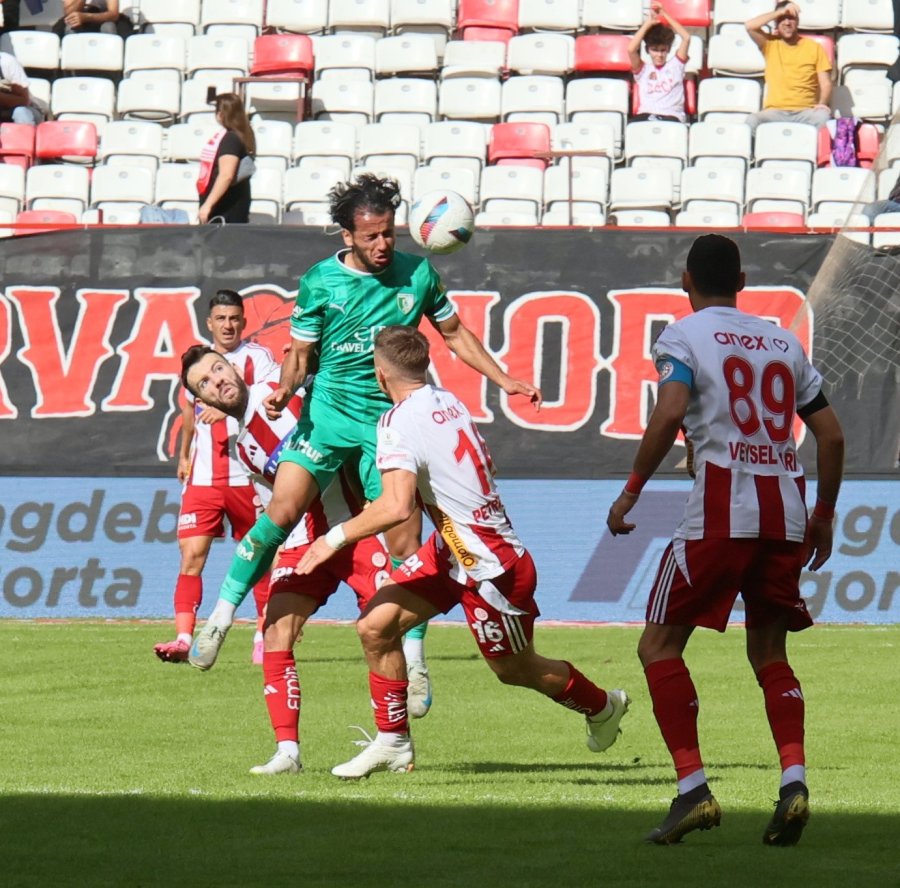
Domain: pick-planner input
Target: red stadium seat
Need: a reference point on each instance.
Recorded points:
(17, 144)
(500, 35)
(602, 53)
(58, 139)
(518, 142)
(288, 54)
(690, 13)
(757, 221)
(487, 14)
(43, 220)
(869, 142)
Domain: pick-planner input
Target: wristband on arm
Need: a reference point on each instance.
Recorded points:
(336, 538)
(635, 483)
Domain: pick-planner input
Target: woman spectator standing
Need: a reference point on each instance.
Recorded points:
(223, 187)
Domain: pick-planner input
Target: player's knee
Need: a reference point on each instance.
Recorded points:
(375, 635)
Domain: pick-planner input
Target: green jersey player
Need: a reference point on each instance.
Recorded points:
(342, 304)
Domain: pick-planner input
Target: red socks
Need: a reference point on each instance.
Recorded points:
(581, 694)
(261, 594)
(188, 594)
(389, 702)
(785, 709)
(675, 706)
(282, 691)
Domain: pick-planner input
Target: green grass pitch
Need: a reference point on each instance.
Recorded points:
(118, 770)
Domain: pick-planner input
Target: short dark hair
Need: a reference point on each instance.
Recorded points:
(366, 193)
(714, 264)
(659, 35)
(405, 348)
(227, 297)
(191, 357)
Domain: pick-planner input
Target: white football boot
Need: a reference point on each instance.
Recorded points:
(280, 763)
(377, 756)
(207, 645)
(602, 734)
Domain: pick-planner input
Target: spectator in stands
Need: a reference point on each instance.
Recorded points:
(891, 205)
(16, 103)
(798, 73)
(88, 16)
(660, 82)
(10, 16)
(226, 164)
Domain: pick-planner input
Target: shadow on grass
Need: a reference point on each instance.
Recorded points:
(358, 841)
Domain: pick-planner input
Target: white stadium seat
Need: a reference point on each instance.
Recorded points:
(60, 186)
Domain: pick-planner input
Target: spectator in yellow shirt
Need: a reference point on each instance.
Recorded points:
(798, 73)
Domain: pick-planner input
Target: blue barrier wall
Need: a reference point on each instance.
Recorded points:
(105, 547)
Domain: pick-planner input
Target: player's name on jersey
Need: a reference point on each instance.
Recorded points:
(762, 455)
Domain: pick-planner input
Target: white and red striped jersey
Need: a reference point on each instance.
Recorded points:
(432, 435)
(213, 460)
(749, 379)
(258, 446)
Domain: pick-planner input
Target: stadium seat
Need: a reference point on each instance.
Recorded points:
(868, 99)
(400, 174)
(597, 139)
(771, 187)
(131, 142)
(728, 99)
(469, 98)
(410, 54)
(786, 144)
(122, 184)
(232, 18)
(842, 184)
(17, 144)
(83, 98)
(40, 221)
(350, 102)
(736, 12)
(309, 214)
(322, 140)
(499, 15)
(461, 181)
(274, 141)
(831, 221)
(734, 54)
(69, 140)
(505, 219)
(691, 13)
(194, 107)
(549, 15)
(512, 189)
(112, 214)
(886, 181)
(474, 58)
(92, 53)
(541, 54)
(589, 192)
(602, 54)
(209, 53)
(154, 52)
(343, 53)
(171, 18)
(868, 138)
(758, 221)
(707, 219)
(599, 100)
(366, 16)
(396, 145)
(558, 216)
(185, 141)
(612, 15)
(720, 144)
(456, 144)
(266, 188)
(657, 139)
(176, 186)
(289, 54)
(536, 98)
(297, 16)
(148, 99)
(642, 219)
(641, 189)
(821, 15)
(405, 100)
(487, 35)
(66, 186)
(12, 188)
(282, 101)
(865, 52)
(724, 187)
(519, 143)
(432, 17)
(872, 15)
(882, 239)
(303, 185)
(34, 50)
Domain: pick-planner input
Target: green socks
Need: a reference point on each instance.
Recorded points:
(252, 558)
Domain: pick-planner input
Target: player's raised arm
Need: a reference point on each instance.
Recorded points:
(662, 430)
(396, 503)
(464, 344)
(294, 370)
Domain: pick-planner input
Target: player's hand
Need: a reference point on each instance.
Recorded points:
(819, 540)
(615, 521)
(277, 401)
(318, 553)
(184, 468)
(208, 415)
(518, 387)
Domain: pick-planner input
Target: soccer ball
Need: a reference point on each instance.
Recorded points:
(441, 221)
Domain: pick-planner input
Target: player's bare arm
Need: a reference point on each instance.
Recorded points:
(662, 430)
(396, 503)
(829, 436)
(187, 435)
(463, 343)
(293, 372)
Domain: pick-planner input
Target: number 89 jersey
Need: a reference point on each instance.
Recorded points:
(432, 434)
(749, 378)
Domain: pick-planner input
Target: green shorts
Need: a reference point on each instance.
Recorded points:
(325, 439)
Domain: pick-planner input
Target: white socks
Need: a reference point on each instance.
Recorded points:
(223, 613)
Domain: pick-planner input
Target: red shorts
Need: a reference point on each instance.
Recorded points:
(363, 567)
(204, 509)
(428, 574)
(699, 580)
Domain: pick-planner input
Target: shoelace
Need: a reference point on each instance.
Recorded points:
(362, 743)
